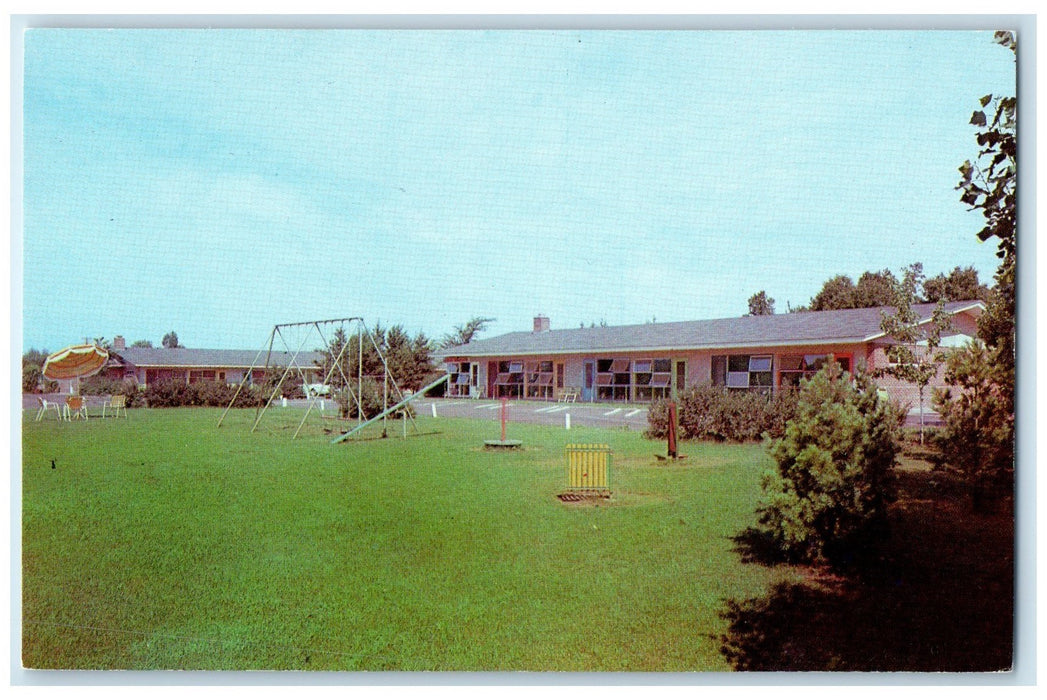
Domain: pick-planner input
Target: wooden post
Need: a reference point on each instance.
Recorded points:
(505, 415)
(672, 430)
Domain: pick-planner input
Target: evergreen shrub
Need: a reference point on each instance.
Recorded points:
(834, 481)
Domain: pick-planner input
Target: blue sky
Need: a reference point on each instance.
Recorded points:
(216, 182)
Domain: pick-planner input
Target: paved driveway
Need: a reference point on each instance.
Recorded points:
(633, 416)
(541, 412)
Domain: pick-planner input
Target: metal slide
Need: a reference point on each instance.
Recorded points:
(391, 409)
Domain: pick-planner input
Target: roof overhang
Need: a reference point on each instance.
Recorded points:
(976, 308)
(667, 349)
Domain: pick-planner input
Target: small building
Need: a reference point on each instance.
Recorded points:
(640, 363)
(148, 365)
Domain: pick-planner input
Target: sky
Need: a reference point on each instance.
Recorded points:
(218, 182)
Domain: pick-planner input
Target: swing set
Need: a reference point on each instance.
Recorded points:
(336, 373)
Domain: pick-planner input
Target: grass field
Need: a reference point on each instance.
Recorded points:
(162, 541)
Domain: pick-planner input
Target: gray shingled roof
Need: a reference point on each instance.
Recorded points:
(193, 357)
(804, 328)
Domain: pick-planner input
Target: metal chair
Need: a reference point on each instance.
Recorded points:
(115, 403)
(44, 405)
(75, 407)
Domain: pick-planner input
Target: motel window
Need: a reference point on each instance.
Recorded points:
(794, 368)
(509, 381)
(539, 379)
(461, 378)
(750, 372)
(613, 379)
(627, 379)
(651, 379)
(200, 375)
(642, 380)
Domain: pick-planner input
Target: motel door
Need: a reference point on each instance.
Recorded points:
(587, 384)
(492, 375)
(679, 378)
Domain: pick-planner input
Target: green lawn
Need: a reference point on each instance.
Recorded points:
(163, 541)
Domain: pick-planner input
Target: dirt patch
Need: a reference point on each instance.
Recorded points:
(577, 499)
(586, 498)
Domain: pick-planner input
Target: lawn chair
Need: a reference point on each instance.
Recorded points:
(567, 395)
(44, 405)
(75, 407)
(114, 404)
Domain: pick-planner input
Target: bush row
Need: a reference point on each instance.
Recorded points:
(172, 393)
(716, 413)
(104, 386)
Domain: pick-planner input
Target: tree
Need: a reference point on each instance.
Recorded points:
(422, 348)
(142, 344)
(360, 380)
(171, 340)
(914, 356)
(840, 292)
(989, 185)
(31, 377)
(835, 469)
(977, 439)
(760, 304)
(408, 359)
(34, 357)
(959, 285)
(877, 289)
(466, 332)
(836, 293)
(874, 289)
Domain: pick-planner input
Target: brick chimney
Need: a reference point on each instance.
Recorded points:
(119, 344)
(541, 323)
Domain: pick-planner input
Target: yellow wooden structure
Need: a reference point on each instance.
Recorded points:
(588, 467)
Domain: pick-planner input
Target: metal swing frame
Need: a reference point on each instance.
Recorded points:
(361, 331)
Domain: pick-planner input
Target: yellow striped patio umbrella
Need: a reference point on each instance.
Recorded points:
(75, 362)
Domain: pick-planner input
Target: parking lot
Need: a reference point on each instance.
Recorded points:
(542, 412)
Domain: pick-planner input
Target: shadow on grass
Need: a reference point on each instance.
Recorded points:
(938, 595)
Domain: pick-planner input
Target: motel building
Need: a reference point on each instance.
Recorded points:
(641, 363)
(147, 366)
